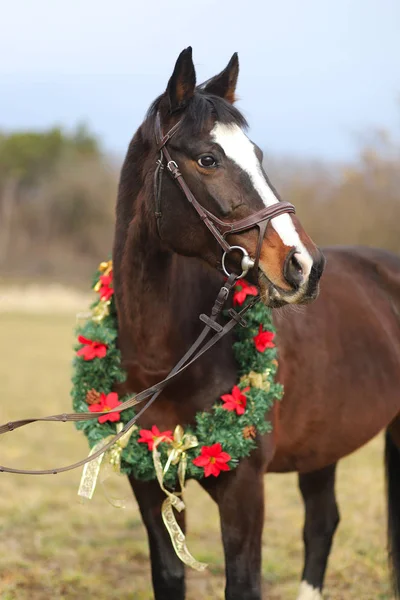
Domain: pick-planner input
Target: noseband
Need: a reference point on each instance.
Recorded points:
(219, 229)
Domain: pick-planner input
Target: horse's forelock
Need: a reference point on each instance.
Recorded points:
(202, 109)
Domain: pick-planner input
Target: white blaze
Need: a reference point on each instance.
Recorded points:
(239, 148)
(308, 592)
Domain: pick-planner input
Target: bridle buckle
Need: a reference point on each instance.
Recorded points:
(172, 166)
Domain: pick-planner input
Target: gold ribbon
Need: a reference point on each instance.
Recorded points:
(91, 469)
(176, 456)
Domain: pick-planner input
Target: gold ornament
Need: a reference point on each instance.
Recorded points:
(104, 268)
(101, 310)
(177, 456)
(257, 380)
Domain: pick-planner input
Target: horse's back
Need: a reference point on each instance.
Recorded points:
(370, 264)
(340, 361)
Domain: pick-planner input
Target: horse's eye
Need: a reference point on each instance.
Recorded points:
(207, 161)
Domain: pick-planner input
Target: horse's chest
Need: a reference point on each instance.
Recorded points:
(194, 391)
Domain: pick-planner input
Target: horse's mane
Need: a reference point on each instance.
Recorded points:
(197, 113)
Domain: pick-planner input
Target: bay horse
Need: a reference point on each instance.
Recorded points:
(339, 358)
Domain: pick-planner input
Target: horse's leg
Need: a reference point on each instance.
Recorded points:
(321, 520)
(392, 463)
(240, 499)
(167, 570)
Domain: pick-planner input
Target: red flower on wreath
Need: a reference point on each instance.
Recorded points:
(263, 339)
(148, 436)
(107, 402)
(106, 290)
(213, 460)
(240, 295)
(236, 400)
(91, 349)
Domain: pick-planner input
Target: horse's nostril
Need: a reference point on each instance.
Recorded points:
(293, 270)
(296, 265)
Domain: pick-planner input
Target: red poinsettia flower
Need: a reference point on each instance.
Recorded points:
(91, 349)
(213, 460)
(147, 436)
(107, 403)
(236, 400)
(263, 339)
(106, 290)
(242, 290)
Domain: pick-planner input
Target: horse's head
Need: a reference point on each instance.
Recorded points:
(223, 170)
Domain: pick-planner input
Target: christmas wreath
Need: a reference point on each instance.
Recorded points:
(218, 439)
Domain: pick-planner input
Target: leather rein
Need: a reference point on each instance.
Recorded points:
(219, 229)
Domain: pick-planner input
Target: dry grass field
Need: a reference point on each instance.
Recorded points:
(52, 546)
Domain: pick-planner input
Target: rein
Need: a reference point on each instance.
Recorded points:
(219, 229)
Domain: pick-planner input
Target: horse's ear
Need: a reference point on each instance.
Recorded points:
(224, 84)
(182, 84)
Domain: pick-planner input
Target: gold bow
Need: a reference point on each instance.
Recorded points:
(176, 456)
(91, 469)
(177, 453)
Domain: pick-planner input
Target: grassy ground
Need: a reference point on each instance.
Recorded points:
(51, 546)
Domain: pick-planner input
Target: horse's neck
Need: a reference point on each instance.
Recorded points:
(160, 296)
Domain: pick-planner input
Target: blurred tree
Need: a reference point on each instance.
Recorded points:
(28, 155)
(53, 185)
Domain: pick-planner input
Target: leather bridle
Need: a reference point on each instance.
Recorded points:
(219, 229)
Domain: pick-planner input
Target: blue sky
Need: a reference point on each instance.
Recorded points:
(314, 73)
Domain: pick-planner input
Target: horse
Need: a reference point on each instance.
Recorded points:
(339, 358)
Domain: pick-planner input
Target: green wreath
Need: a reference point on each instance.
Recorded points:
(224, 435)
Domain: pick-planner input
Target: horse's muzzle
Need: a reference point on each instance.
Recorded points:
(304, 290)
